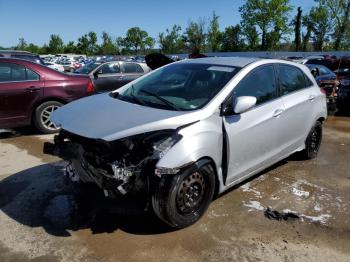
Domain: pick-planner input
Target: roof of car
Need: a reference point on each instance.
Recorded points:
(15, 52)
(12, 59)
(229, 61)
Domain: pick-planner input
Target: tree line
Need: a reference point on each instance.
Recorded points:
(268, 25)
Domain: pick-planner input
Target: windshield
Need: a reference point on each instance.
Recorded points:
(87, 68)
(183, 86)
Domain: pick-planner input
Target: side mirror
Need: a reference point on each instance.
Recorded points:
(243, 103)
(96, 73)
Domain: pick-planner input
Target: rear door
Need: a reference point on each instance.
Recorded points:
(20, 88)
(253, 137)
(131, 71)
(298, 98)
(108, 77)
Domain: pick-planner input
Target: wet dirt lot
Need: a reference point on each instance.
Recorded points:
(38, 213)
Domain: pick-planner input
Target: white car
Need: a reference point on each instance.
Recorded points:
(190, 130)
(55, 66)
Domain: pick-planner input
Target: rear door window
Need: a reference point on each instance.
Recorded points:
(261, 83)
(31, 75)
(132, 68)
(16, 73)
(291, 79)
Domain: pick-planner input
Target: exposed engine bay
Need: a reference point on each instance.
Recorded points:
(119, 167)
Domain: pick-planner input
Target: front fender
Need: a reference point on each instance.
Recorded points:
(202, 139)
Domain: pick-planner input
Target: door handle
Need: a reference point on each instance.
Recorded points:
(312, 97)
(278, 112)
(33, 88)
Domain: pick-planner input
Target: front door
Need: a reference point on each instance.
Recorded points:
(253, 137)
(20, 88)
(108, 77)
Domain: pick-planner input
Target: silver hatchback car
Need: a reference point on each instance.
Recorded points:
(188, 131)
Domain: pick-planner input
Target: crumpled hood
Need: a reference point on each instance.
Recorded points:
(108, 118)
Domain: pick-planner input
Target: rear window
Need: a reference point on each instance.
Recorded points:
(32, 58)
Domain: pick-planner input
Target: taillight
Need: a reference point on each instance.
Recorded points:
(90, 87)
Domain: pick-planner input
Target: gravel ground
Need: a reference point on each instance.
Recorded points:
(41, 220)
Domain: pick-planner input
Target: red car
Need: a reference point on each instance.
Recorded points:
(30, 92)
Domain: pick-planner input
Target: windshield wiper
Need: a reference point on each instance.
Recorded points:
(167, 102)
(132, 96)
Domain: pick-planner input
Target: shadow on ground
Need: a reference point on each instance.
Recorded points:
(42, 197)
(21, 131)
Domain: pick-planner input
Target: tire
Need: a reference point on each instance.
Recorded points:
(313, 141)
(169, 199)
(42, 115)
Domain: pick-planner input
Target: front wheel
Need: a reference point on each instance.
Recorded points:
(313, 141)
(181, 200)
(42, 116)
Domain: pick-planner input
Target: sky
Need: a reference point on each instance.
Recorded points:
(36, 20)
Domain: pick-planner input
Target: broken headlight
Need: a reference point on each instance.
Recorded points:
(160, 148)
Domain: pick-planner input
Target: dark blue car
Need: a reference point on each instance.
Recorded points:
(325, 78)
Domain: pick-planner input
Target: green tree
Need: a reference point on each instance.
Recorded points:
(56, 44)
(92, 47)
(148, 43)
(70, 48)
(33, 48)
(195, 36)
(308, 24)
(297, 22)
(232, 39)
(339, 11)
(83, 45)
(319, 17)
(135, 38)
(44, 50)
(22, 44)
(214, 34)
(125, 45)
(251, 36)
(171, 41)
(87, 44)
(268, 16)
(107, 47)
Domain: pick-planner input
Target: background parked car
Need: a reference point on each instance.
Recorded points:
(30, 92)
(325, 78)
(21, 55)
(67, 64)
(55, 66)
(109, 76)
(343, 96)
(342, 73)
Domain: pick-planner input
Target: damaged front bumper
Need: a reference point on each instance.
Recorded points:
(118, 167)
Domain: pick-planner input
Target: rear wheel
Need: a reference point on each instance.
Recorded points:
(42, 116)
(313, 141)
(182, 199)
